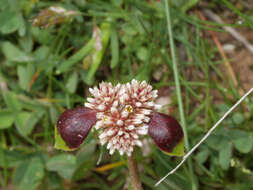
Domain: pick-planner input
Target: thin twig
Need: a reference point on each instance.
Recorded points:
(134, 174)
(206, 135)
(229, 29)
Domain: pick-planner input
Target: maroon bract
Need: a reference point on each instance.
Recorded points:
(75, 124)
(165, 131)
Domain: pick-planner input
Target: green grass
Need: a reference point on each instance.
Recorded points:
(178, 91)
(139, 40)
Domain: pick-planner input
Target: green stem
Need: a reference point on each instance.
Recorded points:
(178, 90)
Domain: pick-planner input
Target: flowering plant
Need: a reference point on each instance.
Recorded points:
(123, 114)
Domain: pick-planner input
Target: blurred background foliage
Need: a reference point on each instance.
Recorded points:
(48, 67)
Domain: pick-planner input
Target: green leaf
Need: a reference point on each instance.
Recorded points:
(72, 82)
(29, 174)
(59, 142)
(243, 145)
(149, 182)
(41, 53)
(34, 118)
(85, 50)
(25, 74)
(22, 26)
(54, 114)
(12, 53)
(9, 21)
(11, 158)
(225, 155)
(83, 161)
(202, 156)
(114, 48)
(63, 164)
(217, 142)
(178, 149)
(142, 54)
(6, 119)
(23, 77)
(54, 181)
(12, 102)
(237, 133)
(189, 4)
(241, 139)
(85, 79)
(20, 122)
(85, 152)
(238, 118)
(42, 36)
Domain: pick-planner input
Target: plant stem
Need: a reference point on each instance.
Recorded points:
(134, 174)
(178, 90)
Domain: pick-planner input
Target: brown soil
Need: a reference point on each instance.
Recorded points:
(241, 59)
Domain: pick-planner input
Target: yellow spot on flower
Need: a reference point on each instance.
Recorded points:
(129, 109)
(105, 118)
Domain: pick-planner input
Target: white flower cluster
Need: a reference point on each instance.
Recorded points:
(123, 113)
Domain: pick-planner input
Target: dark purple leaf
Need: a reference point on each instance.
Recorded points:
(75, 124)
(165, 131)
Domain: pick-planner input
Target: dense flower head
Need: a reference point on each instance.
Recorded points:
(123, 112)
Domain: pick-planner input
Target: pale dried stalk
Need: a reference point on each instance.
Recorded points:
(134, 173)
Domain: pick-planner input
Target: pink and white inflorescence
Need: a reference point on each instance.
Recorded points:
(122, 113)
